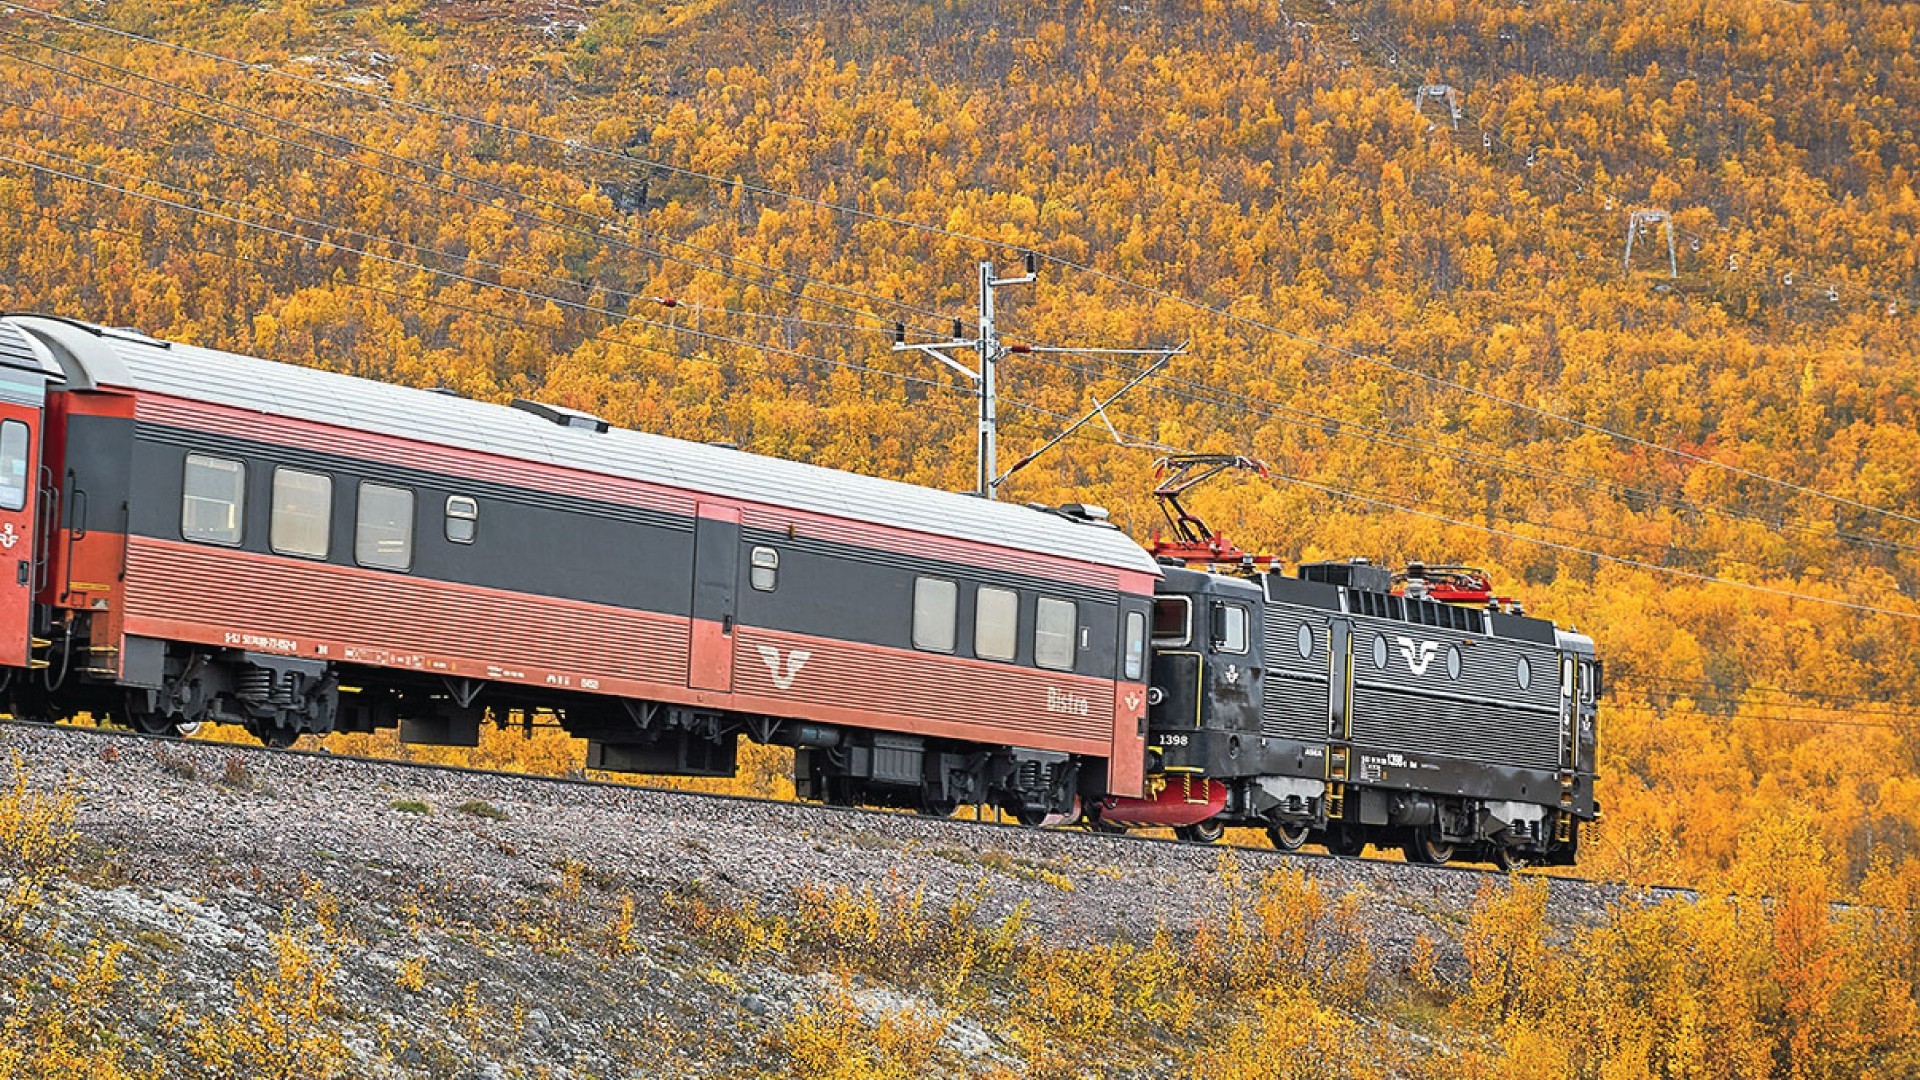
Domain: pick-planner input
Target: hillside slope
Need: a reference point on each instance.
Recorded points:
(1422, 320)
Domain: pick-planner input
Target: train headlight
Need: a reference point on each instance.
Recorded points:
(1155, 695)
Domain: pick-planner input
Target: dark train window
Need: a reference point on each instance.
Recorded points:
(1172, 620)
(14, 453)
(1056, 623)
(212, 499)
(1230, 628)
(463, 519)
(996, 623)
(763, 568)
(936, 611)
(1135, 662)
(302, 513)
(383, 531)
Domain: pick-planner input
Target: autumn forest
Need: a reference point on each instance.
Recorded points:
(1394, 236)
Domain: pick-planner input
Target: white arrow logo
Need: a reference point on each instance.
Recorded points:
(795, 660)
(1425, 650)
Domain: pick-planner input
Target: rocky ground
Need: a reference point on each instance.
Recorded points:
(438, 923)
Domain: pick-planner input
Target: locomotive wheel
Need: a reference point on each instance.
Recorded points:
(1206, 832)
(1031, 817)
(1346, 843)
(1426, 847)
(936, 807)
(1505, 859)
(273, 735)
(1288, 837)
(1109, 828)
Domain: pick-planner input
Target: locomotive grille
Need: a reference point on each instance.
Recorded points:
(1295, 706)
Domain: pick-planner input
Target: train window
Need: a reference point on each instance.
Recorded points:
(1135, 663)
(1524, 673)
(1056, 623)
(14, 454)
(302, 513)
(1304, 641)
(763, 568)
(212, 499)
(463, 518)
(1172, 620)
(1230, 628)
(383, 532)
(936, 611)
(1380, 651)
(1589, 684)
(996, 623)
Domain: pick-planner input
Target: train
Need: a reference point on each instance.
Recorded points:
(201, 536)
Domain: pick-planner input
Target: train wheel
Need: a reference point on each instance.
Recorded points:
(1505, 859)
(1287, 837)
(937, 807)
(1206, 832)
(1109, 828)
(1031, 817)
(1346, 843)
(149, 722)
(1427, 848)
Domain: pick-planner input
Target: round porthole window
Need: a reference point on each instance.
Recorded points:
(1306, 642)
(1525, 673)
(1380, 651)
(1453, 662)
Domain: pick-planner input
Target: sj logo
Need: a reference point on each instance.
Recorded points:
(794, 660)
(1418, 653)
(8, 537)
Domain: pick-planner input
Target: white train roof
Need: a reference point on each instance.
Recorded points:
(93, 356)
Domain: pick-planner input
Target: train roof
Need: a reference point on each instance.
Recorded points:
(93, 356)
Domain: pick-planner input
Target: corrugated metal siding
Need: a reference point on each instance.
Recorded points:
(330, 398)
(1296, 688)
(1003, 701)
(1483, 716)
(14, 349)
(199, 584)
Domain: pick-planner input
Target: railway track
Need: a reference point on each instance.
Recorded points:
(1008, 827)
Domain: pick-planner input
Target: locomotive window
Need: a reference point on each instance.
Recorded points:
(996, 623)
(763, 568)
(13, 465)
(1055, 625)
(1136, 646)
(1171, 618)
(1589, 685)
(212, 497)
(383, 534)
(463, 518)
(936, 609)
(1231, 630)
(302, 513)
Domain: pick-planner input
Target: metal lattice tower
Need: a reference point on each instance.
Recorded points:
(1439, 92)
(1639, 220)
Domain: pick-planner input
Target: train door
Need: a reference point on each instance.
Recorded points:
(1339, 716)
(22, 398)
(716, 577)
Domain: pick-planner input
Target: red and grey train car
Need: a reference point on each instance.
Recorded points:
(1335, 706)
(203, 536)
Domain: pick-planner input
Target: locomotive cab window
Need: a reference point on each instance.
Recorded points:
(763, 568)
(383, 531)
(996, 623)
(1172, 619)
(1230, 626)
(1055, 626)
(936, 606)
(14, 454)
(463, 519)
(302, 513)
(212, 499)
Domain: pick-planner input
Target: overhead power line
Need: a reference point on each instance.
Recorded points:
(905, 223)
